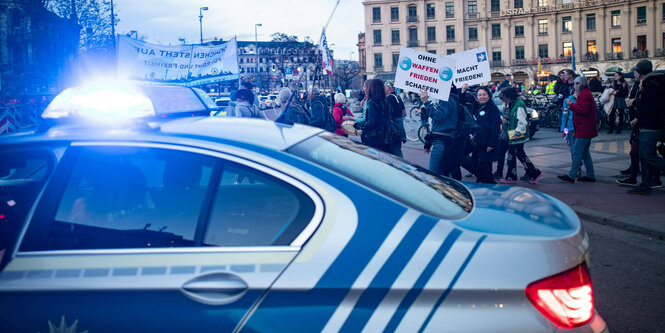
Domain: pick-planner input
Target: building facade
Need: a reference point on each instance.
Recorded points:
(608, 35)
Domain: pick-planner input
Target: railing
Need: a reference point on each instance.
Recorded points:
(660, 53)
(412, 18)
(378, 68)
(413, 43)
(528, 62)
(637, 54)
(496, 63)
(614, 56)
(590, 57)
(471, 15)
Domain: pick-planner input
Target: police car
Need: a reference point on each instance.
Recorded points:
(125, 212)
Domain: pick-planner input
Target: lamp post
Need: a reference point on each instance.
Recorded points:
(256, 51)
(201, 21)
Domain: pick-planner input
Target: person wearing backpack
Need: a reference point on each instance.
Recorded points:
(341, 113)
(516, 129)
(396, 134)
(374, 126)
(320, 115)
(445, 148)
(244, 109)
(292, 113)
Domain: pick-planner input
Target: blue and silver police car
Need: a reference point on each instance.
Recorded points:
(126, 212)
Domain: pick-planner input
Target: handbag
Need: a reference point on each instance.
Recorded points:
(512, 135)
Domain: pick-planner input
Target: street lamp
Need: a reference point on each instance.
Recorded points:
(201, 21)
(256, 50)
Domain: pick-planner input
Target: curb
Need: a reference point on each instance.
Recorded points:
(603, 218)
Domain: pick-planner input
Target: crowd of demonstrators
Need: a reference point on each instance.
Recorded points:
(595, 86)
(621, 88)
(341, 113)
(584, 123)
(374, 125)
(445, 152)
(650, 120)
(643, 68)
(516, 129)
(397, 112)
(249, 87)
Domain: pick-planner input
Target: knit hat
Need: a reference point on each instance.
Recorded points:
(644, 67)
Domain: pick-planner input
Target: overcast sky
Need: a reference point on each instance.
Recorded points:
(165, 21)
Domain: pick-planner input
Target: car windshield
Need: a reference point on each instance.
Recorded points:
(387, 174)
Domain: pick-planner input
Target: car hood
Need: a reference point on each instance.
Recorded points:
(514, 210)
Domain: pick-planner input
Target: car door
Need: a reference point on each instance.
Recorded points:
(153, 237)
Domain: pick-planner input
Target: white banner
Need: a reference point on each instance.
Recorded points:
(421, 70)
(181, 64)
(472, 67)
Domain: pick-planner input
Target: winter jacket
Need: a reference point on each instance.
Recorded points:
(339, 111)
(518, 122)
(295, 114)
(584, 115)
(621, 89)
(246, 110)
(376, 119)
(320, 115)
(397, 110)
(567, 116)
(488, 118)
(650, 101)
(445, 117)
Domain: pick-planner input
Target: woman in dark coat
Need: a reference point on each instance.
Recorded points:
(621, 90)
(375, 123)
(486, 139)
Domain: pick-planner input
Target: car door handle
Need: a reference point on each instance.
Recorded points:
(215, 288)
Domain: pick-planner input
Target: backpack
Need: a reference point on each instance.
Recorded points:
(467, 124)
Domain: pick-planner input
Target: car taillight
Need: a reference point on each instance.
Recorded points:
(566, 298)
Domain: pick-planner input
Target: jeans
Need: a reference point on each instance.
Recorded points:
(444, 159)
(502, 148)
(649, 159)
(517, 152)
(571, 143)
(581, 154)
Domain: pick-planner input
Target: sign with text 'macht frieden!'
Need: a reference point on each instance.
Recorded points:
(425, 71)
(471, 67)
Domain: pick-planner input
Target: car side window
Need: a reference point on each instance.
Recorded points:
(252, 208)
(128, 197)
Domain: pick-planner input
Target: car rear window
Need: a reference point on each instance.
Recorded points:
(405, 182)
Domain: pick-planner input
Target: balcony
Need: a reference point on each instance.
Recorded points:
(531, 62)
(413, 43)
(412, 18)
(660, 53)
(614, 56)
(590, 57)
(472, 15)
(496, 63)
(637, 54)
(378, 69)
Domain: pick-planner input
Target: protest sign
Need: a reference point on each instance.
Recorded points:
(472, 67)
(181, 64)
(424, 71)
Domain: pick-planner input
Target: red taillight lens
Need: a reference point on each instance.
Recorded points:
(566, 298)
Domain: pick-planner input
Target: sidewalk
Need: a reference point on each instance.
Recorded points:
(603, 202)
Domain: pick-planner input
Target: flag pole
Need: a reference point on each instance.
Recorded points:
(331, 15)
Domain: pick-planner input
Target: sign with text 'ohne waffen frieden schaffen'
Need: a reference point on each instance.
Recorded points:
(471, 67)
(424, 71)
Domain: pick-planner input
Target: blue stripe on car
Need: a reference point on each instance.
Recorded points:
(388, 273)
(452, 283)
(427, 273)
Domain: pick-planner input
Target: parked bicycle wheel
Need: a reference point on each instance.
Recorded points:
(411, 127)
(423, 131)
(415, 112)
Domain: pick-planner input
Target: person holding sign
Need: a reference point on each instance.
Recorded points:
(445, 149)
(517, 130)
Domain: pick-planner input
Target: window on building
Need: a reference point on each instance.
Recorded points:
(591, 46)
(431, 51)
(377, 37)
(376, 14)
(413, 35)
(496, 30)
(518, 4)
(663, 11)
(616, 18)
(496, 54)
(642, 42)
(431, 34)
(543, 51)
(641, 15)
(591, 21)
(542, 3)
(519, 30)
(616, 45)
(519, 52)
(472, 7)
(473, 32)
(394, 36)
(394, 14)
(450, 33)
(450, 9)
(395, 60)
(495, 5)
(567, 24)
(567, 49)
(430, 11)
(450, 51)
(542, 27)
(378, 61)
(413, 14)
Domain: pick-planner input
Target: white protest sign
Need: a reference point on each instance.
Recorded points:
(424, 71)
(472, 67)
(180, 64)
